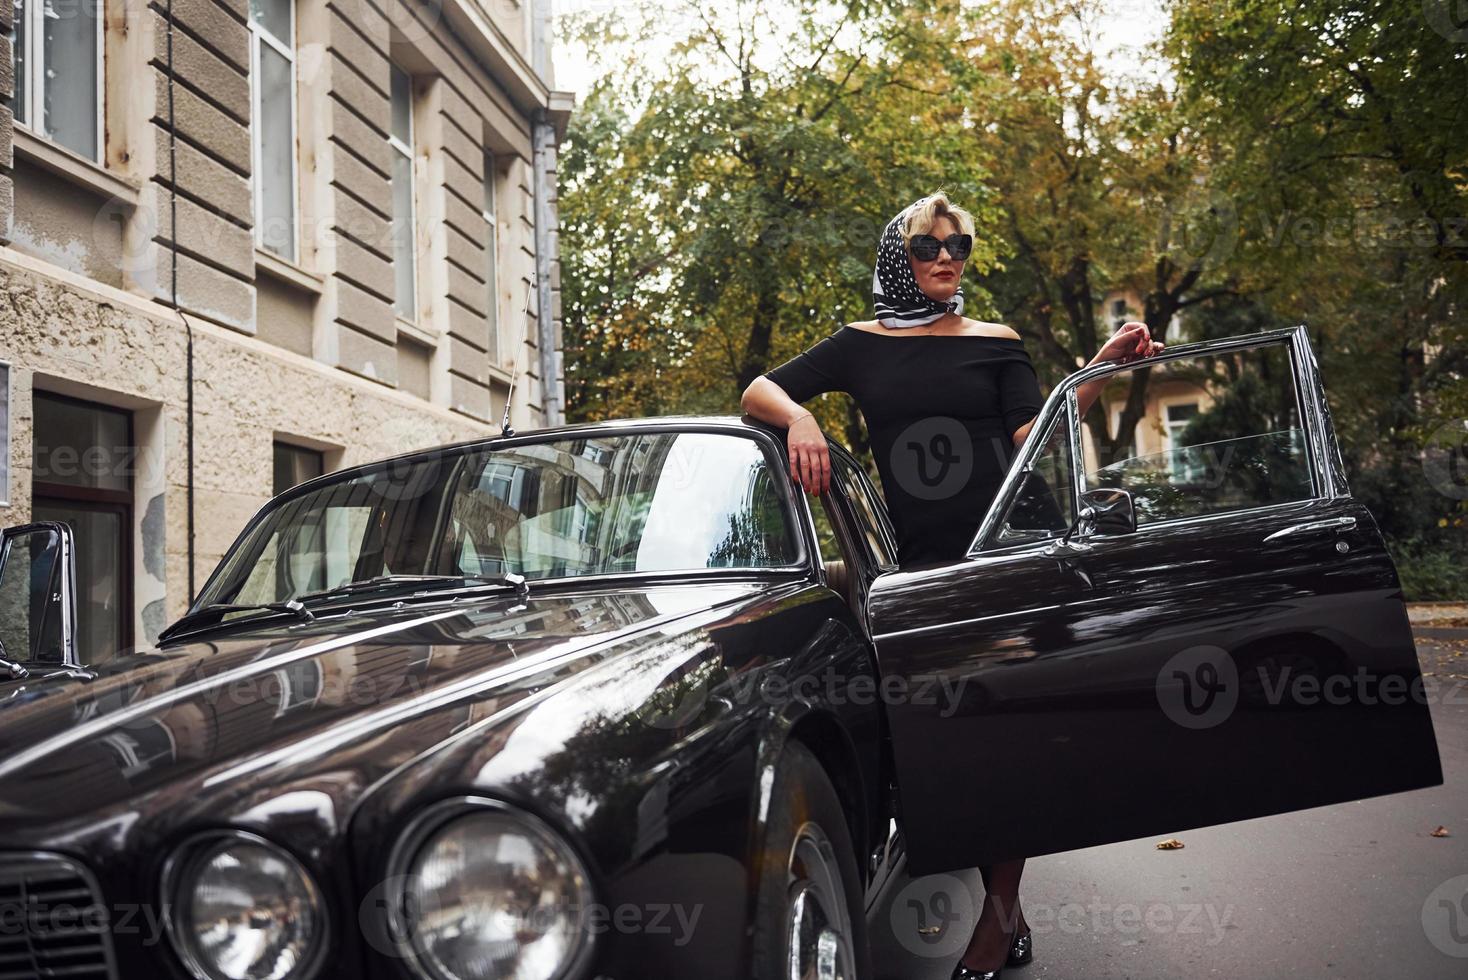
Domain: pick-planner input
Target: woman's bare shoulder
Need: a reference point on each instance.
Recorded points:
(870, 326)
(987, 329)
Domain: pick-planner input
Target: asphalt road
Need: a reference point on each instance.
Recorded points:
(1350, 892)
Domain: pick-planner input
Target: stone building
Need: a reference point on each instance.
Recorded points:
(243, 243)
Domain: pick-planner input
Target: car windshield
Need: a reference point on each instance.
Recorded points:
(651, 502)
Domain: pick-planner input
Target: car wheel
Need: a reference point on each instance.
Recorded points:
(809, 919)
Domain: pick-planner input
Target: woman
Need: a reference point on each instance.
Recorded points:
(945, 416)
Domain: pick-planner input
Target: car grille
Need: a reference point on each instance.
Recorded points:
(52, 920)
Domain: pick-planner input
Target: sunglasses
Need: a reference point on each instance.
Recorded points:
(925, 248)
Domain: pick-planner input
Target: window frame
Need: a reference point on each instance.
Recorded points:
(1174, 401)
(405, 150)
(884, 530)
(1327, 483)
(1041, 436)
(260, 34)
(492, 248)
(279, 446)
(121, 503)
(35, 81)
(1165, 404)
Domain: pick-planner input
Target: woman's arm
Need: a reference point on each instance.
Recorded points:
(775, 397)
(768, 402)
(1132, 341)
(810, 460)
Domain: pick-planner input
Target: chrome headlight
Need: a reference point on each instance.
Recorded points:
(241, 908)
(488, 892)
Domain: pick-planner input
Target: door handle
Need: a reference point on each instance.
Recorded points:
(1312, 527)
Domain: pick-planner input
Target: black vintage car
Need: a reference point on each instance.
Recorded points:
(618, 700)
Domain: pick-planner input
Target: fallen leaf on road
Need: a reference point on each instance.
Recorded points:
(929, 930)
(1171, 844)
(1441, 831)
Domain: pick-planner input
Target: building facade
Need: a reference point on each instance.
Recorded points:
(244, 242)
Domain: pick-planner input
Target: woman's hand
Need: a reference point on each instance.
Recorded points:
(1132, 341)
(810, 460)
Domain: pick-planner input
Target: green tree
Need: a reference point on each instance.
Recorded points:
(1345, 152)
(722, 213)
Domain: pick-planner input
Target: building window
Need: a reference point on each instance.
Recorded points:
(1118, 314)
(1175, 419)
(84, 461)
(492, 258)
(1179, 414)
(273, 89)
(294, 466)
(404, 247)
(58, 72)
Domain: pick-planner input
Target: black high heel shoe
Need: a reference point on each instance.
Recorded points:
(1021, 951)
(961, 972)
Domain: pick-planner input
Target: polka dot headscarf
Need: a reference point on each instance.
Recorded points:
(895, 293)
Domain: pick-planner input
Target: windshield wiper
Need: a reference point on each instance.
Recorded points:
(384, 581)
(292, 606)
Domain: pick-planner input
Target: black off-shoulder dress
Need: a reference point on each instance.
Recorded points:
(941, 411)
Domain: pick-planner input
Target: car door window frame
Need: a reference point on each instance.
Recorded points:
(1322, 453)
(849, 512)
(1045, 427)
(61, 586)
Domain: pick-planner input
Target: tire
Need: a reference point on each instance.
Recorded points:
(808, 882)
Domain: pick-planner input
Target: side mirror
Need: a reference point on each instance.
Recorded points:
(1104, 510)
(37, 597)
(1112, 510)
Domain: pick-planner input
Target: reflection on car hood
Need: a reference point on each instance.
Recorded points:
(151, 718)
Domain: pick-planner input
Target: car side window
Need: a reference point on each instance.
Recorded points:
(1044, 505)
(826, 543)
(1203, 435)
(871, 512)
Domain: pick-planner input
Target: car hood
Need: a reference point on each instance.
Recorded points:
(186, 717)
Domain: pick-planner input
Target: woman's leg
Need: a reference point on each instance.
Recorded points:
(1000, 919)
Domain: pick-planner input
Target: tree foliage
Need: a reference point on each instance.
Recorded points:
(725, 181)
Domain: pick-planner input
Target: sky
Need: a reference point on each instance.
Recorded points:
(1131, 25)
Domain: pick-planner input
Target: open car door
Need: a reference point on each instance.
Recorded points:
(37, 600)
(1187, 626)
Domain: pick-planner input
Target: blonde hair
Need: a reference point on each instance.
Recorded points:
(924, 213)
